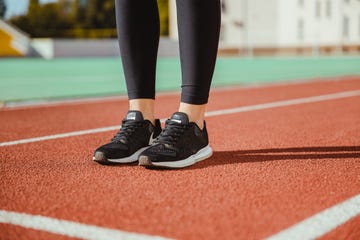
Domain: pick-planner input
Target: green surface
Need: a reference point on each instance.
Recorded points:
(31, 79)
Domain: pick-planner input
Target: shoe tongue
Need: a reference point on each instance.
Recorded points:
(180, 117)
(134, 115)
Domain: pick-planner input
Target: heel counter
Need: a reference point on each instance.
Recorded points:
(205, 134)
(157, 129)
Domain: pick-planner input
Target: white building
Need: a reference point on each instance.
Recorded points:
(275, 26)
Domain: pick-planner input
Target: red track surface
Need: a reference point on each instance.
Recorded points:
(271, 168)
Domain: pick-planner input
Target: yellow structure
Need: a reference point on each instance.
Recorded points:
(13, 42)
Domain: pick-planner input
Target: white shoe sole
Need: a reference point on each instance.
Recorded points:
(99, 157)
(202, 154)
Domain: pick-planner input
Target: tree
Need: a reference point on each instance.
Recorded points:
(164, 16)
(2, 8)
(77, 18)
(33, 14)
(46, 20)
(99, 14)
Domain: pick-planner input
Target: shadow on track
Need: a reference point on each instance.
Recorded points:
(274, 154)
(269, 154)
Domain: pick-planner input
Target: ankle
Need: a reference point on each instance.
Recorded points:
(196, 113)
(145, 106)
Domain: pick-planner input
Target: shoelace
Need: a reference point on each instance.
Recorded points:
(126, 130)
(170, 134)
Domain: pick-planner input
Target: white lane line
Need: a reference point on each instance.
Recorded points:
(61, 135)
(68, 228)
(322, 222)
(284, 103)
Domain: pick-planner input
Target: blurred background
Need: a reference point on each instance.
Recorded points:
(67, 49)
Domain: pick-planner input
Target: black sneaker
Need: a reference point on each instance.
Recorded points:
(135, 135)
(180, 144)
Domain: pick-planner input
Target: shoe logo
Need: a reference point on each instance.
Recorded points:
(176, 120)
(131, 116)
(161, 150)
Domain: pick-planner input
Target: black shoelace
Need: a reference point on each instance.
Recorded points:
(171, 133)
(125, 134)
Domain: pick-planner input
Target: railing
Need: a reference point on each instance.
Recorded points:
(13, 42)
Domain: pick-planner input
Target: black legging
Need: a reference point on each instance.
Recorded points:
(138, 31)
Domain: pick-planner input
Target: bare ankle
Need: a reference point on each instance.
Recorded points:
(196, 113)
(145, 106)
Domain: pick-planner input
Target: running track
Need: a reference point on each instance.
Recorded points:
(286, 165)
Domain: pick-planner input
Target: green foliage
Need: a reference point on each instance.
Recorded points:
(164, 17)
(90, 33)
(45, 20)
(99, 14)
(77, 18)
(2, 8)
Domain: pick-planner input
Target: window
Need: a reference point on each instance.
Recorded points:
(346, 26)
(328, 8)
(300, 28)
(318, 9)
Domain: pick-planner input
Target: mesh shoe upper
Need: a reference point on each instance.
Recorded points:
(134, 134)
(178, 140)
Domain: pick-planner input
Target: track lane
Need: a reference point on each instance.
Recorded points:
(35, 122)
(257, 107)
(273, 157)
(69, 228)
(321, 222)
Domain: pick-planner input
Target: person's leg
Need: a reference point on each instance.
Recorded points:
(199, 28)
(184, 141)
(138, 32)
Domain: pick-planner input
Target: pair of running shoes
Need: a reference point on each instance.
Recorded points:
(180, 144)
